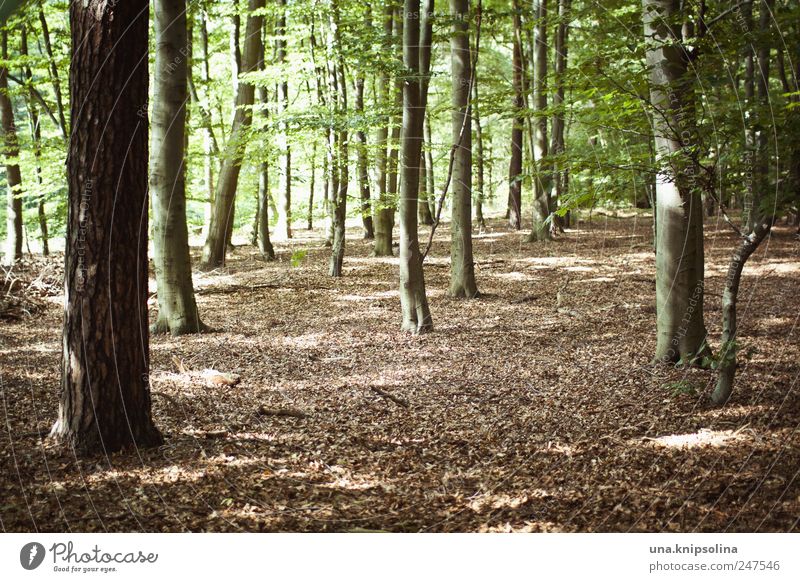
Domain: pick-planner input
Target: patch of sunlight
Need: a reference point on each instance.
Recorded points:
(702, 438)
(773, 268)
(309, 340)
(580, 269)
(504, 501)
(356, 297)
(39, 348)
(596, 279)
(513, 276)
(737, 411)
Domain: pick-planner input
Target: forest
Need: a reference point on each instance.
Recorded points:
(400, 266)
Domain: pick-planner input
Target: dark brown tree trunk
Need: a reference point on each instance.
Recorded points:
(13, 176)
(105, 394)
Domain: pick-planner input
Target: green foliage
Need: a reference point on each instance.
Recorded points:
(298, 257)
(680, 388)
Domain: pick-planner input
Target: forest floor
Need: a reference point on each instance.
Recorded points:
(515, 414)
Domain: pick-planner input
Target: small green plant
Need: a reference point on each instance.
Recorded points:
(298, 257)
(680, 388)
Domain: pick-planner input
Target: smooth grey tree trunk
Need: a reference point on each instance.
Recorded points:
(177, 308)
(384, 209)
(413, 299)
(283, 228)
(540, 231)
(681, 332)
(726, 370)
(515, 162)
(462, 264)
(338, 148)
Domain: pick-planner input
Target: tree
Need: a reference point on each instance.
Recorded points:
(384, 207)
(105, 392)
(681, 331)
(413, 299)
(541, 187)
(515, 163)
(222, 215)
(177, 308)
(283, 229)
(337, 143)
(462, 265)
(13, 175)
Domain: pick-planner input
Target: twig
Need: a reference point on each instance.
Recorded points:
(457, 144)
(392, 397)
(293, 412)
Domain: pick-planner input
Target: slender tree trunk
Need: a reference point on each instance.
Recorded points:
(222, 217)
(424, 215)
(540, 230)
(53, 68)
(383, 214)
(36, 138)
(13, 176)
(462, 264)
(413, 300)
(558, 143)
(105, 393)
(429, 167)
(363, 164)
(726, 370)
(264, 242)
(679, 210)
(515, 164)
(312, 186)
(338, 143)
(283, 228)
(479, 195)
(210, 146)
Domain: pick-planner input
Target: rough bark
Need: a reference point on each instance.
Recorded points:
(105, 395)
(462, 265)
(221, 224)
(13, 251)
(681, 331)
(413, 300)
